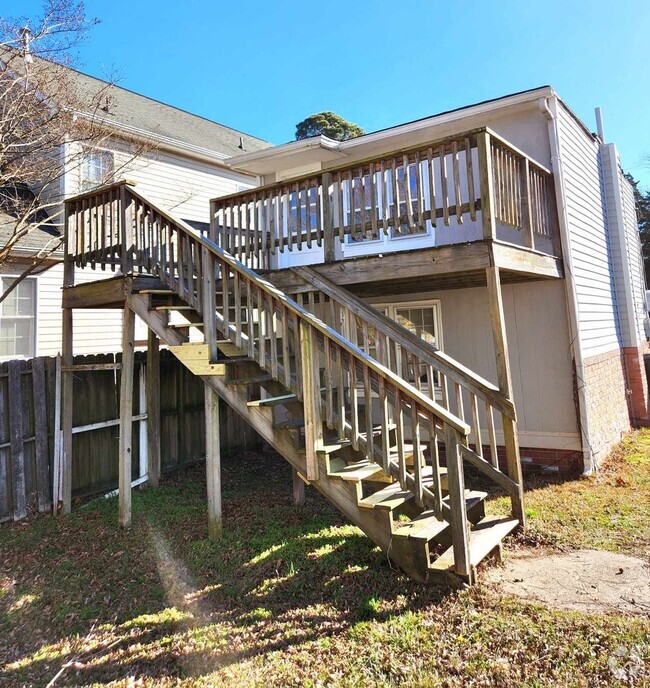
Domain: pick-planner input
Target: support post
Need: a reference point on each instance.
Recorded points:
(311, 398)
(486, 184)
(153, 408)
(526, 204)
(67, 360)
(209, 304)
(126, 416)
(298, 489)
(328, 231)
(126, 220)
(213, 462)
(505, 386)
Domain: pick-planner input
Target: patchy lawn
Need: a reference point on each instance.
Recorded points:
(298, 597)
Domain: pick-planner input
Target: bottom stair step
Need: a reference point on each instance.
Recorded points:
(483, 538)
(423, 527)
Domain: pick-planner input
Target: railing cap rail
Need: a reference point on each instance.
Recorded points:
(101, 189)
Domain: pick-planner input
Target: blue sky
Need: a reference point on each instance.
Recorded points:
(261, 67)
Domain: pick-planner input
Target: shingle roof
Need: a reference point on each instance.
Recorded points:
(134, 110)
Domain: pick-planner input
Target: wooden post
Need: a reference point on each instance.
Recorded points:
(505, 385)
(526, 205)
(459, 523)
(311, 398)
(126, 220)
(153, 408)
(126, 416)
(213, 462)
(298, 489)
(486, 184)
(328, 232)
(209, 304)
(67, 360)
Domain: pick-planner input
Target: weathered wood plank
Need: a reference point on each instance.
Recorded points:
(19, 496)
(126, 417)
(41, 453)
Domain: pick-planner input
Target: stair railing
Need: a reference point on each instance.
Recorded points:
(458, 389)
(116, 225)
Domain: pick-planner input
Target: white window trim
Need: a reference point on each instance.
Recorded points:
(92, 151)
(35, 318)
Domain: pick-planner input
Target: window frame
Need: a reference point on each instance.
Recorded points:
(33, 318)
(85, 184)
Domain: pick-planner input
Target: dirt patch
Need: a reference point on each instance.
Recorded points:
(586, 580)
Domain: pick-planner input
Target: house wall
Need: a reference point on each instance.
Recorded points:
(605, 251)
(540, 360)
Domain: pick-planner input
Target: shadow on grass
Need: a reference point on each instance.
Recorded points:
(162, 600)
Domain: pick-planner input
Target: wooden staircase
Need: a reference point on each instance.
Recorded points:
(362, 430)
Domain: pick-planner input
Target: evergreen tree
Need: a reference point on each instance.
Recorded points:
(329, 124)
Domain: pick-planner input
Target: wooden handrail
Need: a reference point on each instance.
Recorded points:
(426, 352)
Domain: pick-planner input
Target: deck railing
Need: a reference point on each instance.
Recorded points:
(445, 185)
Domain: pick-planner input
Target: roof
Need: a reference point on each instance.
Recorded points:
(142, 115)
(45, 236)
(322, 149)
(145, 114)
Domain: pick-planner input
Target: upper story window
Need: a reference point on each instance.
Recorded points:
(18, 319)
(97, 168)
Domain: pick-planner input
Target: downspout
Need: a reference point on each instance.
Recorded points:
(548, 108)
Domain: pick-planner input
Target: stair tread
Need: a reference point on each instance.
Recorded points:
(354, 471)
(184, 326)
(273, 401)
(483, 538)
(422, 527)
(331, 447)
(388, 498)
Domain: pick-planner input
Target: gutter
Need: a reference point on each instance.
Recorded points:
(549, 107)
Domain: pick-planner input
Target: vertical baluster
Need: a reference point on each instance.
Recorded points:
(434, 453)
(477, 424)
(352, 224)
(329, 397)
(431, 163)
(395, 186)
(236, 288)
(471, 191)
(225, 298)
(298, 362)
(262, 328)
(308, 235)
(408, 200)
(385, 208)
(385, 435)
(415, 362)
(494, 455)
(250, 324)
(443, 185)
(421, 222)
(417, 452)
(340, 206)
(373, 201)
(273, 338)
(298, 216)
(286, 360)
(460, 412)
(399, 431)
(457, 190)
(354, 401)
(431, 382)
(322, 201)
(340, 393)
(367, 403)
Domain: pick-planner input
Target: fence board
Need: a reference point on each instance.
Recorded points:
(41, 454)
(15, 399)
(6, 505)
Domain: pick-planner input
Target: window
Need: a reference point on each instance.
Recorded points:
(18, 320)
(96, 169)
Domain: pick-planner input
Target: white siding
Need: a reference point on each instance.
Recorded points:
(585, 208)
(540, 360)
(634, 254)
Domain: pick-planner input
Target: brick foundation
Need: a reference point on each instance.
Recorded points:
(607, 401)
(637, 383)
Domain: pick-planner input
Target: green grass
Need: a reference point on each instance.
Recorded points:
(296, 596)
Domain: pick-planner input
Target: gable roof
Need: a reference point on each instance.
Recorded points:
(141, 115)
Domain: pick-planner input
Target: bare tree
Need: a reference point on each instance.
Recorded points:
(50, 121)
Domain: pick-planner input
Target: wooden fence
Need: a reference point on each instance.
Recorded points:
(28, 406)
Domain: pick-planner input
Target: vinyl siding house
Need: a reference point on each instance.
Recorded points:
(461, 291)
(575, 331)
(183, 166)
